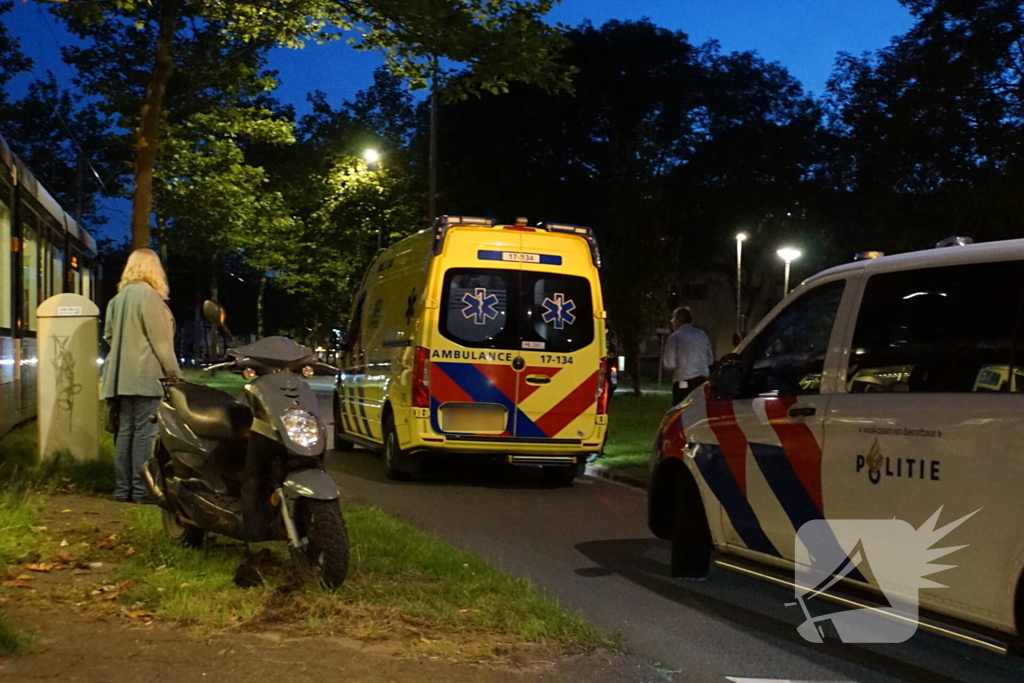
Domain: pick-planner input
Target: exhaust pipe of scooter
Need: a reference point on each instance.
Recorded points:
(154, 490)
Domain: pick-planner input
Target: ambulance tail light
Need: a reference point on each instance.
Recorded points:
(602, 388)
(421, 378)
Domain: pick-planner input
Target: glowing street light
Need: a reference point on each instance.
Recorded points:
(740, 238)
(371, 157)
(788, 255)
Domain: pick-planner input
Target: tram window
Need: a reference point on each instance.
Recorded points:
(30, 273)
(86, 281)
(58, 272)
(6, 299)
(45, 265)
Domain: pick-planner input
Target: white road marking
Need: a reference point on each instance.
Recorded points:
(735, 679)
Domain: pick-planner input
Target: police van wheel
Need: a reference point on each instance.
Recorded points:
(340, 443)
(562, 475)
(691, 535)
(397, 463)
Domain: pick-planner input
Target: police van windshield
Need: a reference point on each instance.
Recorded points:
(511, 309)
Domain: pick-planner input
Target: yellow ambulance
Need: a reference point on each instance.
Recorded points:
(478, 338)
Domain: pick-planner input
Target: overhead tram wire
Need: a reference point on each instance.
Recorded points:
(67, 129)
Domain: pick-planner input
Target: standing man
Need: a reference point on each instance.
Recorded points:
(688, 355)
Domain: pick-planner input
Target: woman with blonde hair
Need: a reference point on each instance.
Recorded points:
(139, 328)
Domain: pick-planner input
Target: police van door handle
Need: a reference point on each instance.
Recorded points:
(538, 379)
(802, 410)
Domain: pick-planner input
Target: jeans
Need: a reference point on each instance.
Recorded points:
(134, 444)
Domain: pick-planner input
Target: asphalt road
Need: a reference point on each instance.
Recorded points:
(589, 548)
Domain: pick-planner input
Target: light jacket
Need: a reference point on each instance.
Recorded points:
(139, 328)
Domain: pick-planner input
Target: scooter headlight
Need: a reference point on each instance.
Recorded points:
(301, 427)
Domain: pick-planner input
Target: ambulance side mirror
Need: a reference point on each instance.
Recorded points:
(726, 378)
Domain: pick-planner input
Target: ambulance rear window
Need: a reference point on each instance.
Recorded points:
(561, 311)
(511, 309)
(476, 306)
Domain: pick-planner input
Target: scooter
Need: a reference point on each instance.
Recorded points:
(252, 470)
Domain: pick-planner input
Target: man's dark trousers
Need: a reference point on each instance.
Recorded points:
(679, 394)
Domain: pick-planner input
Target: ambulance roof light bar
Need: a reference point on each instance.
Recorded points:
(443, 223)
(581, 230)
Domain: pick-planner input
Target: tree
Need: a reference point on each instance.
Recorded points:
(12, 60)
(929, 131)
(344, 211)
(665, 149)
(501, 40)
(76, 169)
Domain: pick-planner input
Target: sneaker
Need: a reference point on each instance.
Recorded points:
(123, 499)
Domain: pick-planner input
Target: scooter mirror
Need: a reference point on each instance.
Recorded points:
(214, 312)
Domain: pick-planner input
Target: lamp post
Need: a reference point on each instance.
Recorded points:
(788, 255)
(740, 238)
(372, 159)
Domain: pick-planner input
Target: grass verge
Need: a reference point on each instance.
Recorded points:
(20, 467)
(404, 585)
(226, 381)
(632, 423)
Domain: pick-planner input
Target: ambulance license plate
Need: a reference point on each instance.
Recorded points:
(474, 418)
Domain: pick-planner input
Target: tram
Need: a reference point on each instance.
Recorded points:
(43, 252)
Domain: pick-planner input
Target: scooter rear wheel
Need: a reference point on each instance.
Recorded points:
(325, 557)
(187, 535)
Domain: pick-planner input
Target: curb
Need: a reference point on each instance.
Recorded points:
(602, 472)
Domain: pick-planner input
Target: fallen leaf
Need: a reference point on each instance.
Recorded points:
(64, 512)
(96, 528)
(184, 585)
(37, 529)
(129, 551)
(112, 537)
(95, 565)
(66, 559)
(24, 577)
(84, 545)
(41, 567)
(64, 543)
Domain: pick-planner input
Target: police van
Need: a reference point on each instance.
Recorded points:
(478, 338)
(882, 389)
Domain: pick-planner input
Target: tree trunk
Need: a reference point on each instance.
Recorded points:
(259, 307)
(149, 124)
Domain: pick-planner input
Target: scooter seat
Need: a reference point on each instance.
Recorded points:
(210, 412)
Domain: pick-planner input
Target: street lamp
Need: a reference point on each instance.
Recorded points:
(788, 255)
(740, 238)
(371, 157)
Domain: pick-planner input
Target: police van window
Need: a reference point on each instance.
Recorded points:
(476, 307)
(948, 329)
(788, 356)
(561, 313)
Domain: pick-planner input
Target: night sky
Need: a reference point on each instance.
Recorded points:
(802, 35)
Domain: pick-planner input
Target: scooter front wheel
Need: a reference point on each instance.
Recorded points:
(187, 535)
(325, 556)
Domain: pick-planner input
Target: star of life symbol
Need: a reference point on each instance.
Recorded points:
(558, 311)
(900, 556)
(480, 306)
